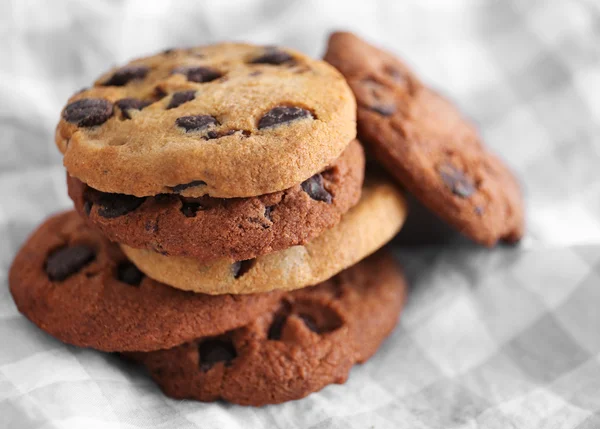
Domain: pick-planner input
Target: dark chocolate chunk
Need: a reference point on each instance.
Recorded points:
(184, 186)
(196, 122)
(66, 261)
(276, 327)
(456, 180)
(315, 189)
(87, 207)
(281, 115)
(273, 56)
(115, 205)
(199, 74)
(268, 211)
(240, 268)
(126, 74)
(126, 104)
(376, 97)
(214, 351)
(129, 273)
(309, 322)
(181, 97)
(88, 112)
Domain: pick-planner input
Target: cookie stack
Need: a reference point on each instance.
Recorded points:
(222, 229)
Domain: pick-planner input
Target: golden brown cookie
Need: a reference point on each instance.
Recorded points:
(363, 229)
(311, 341)
(226, 120)
(209, 228)
(423, 140)
(78, 287)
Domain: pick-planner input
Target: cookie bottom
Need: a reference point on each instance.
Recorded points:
(312, 340)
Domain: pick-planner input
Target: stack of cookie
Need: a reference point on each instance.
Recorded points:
(221, 227)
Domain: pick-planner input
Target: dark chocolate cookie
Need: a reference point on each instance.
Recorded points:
(312, 340)
(77, 286)
(209, 228)
(423, 140)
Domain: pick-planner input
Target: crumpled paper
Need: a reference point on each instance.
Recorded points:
(502, 338)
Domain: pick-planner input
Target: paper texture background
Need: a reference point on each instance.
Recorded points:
(507, 338)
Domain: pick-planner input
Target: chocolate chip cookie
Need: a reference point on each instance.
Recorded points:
(423, 140)
(210, 228)
(78, 287)
(363, 229)
(227, 120)
(312, 340)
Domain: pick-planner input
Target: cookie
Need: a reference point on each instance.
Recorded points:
(363, 229)
(227, 120)
(311, 341)
(423, 140)
(78, 287)
(235, 228)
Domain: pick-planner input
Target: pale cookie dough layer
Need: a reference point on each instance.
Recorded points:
(365, 228)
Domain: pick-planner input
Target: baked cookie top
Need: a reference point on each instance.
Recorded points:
(366, 227)
(77, 286)
(208, 228)
(225, 120)
(424, 141)
(310, 341)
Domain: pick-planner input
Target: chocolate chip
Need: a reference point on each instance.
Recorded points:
(198, 74)
(88, 112)
(87, 207)
(126, 74)
(191, 209)
(214, 351)
(384, 109)
(268, 211)
(376, 97)
(281, 115)
(158, 93)
(309, 322)
(456, 180)
(395, 74)
(273, 56)
(211, 135)
(129, 273)
(181, 97)
(276, 327)
(196, 122)
(67, 261)
(126, 104)
(115, 205)
(184, 186)
(240, 268)
(315, 189)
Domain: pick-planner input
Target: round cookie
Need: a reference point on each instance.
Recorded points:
(235, 228)
(78, 287)
(423, 140)
(226, 120)
(363, 229)
(311, 341)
